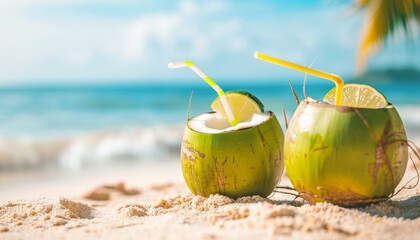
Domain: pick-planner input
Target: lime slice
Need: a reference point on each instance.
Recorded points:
(358, 95)
(242, 103)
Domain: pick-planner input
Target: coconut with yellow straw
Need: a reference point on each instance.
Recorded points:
(350, 149)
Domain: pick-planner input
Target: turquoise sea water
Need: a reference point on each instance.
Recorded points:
(73, 126)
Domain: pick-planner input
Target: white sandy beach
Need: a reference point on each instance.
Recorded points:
(153, 202)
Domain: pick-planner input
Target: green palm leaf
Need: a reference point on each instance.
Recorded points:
(385, 17)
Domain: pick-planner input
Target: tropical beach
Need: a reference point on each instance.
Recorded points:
(94, 138)
(125, 192)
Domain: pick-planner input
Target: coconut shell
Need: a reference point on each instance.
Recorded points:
(344, 155)
(239, 163)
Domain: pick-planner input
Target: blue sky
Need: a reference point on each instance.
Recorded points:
(128, 40)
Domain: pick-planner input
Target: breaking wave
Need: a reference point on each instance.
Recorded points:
(410, 115)
(90, 149)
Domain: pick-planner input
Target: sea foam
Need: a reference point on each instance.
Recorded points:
(90, 149)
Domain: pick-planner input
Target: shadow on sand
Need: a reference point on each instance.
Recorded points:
(408, 208)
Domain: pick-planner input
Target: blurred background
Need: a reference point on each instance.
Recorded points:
(85, 84)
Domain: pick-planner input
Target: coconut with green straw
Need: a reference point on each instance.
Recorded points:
(350, 149)
(237, 150)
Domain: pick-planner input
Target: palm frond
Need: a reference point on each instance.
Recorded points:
(385, 17)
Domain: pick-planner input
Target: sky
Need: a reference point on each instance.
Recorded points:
(83, 41)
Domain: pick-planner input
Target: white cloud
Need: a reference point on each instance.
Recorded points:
(49, 48)
(218, 34)
(190, 31)
(9, 5)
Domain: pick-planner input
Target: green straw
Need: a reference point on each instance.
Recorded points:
(212, 84)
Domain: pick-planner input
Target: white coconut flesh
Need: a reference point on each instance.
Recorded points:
(214, 123)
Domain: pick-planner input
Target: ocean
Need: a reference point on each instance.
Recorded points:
(73, 127)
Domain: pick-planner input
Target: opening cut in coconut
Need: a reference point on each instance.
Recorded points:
(311, 100)
(214, 123)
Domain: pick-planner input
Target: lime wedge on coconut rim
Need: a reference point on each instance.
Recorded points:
(359, 96)
(243, 104)
(235, 107)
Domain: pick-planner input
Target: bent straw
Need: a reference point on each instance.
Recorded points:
(212, 84)
(329, 76)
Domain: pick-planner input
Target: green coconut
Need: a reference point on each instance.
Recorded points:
(345, 155)
(237, 162)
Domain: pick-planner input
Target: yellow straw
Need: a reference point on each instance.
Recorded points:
(339, 83)
(212, 84)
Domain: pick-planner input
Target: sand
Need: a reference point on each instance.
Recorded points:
(153, 202)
